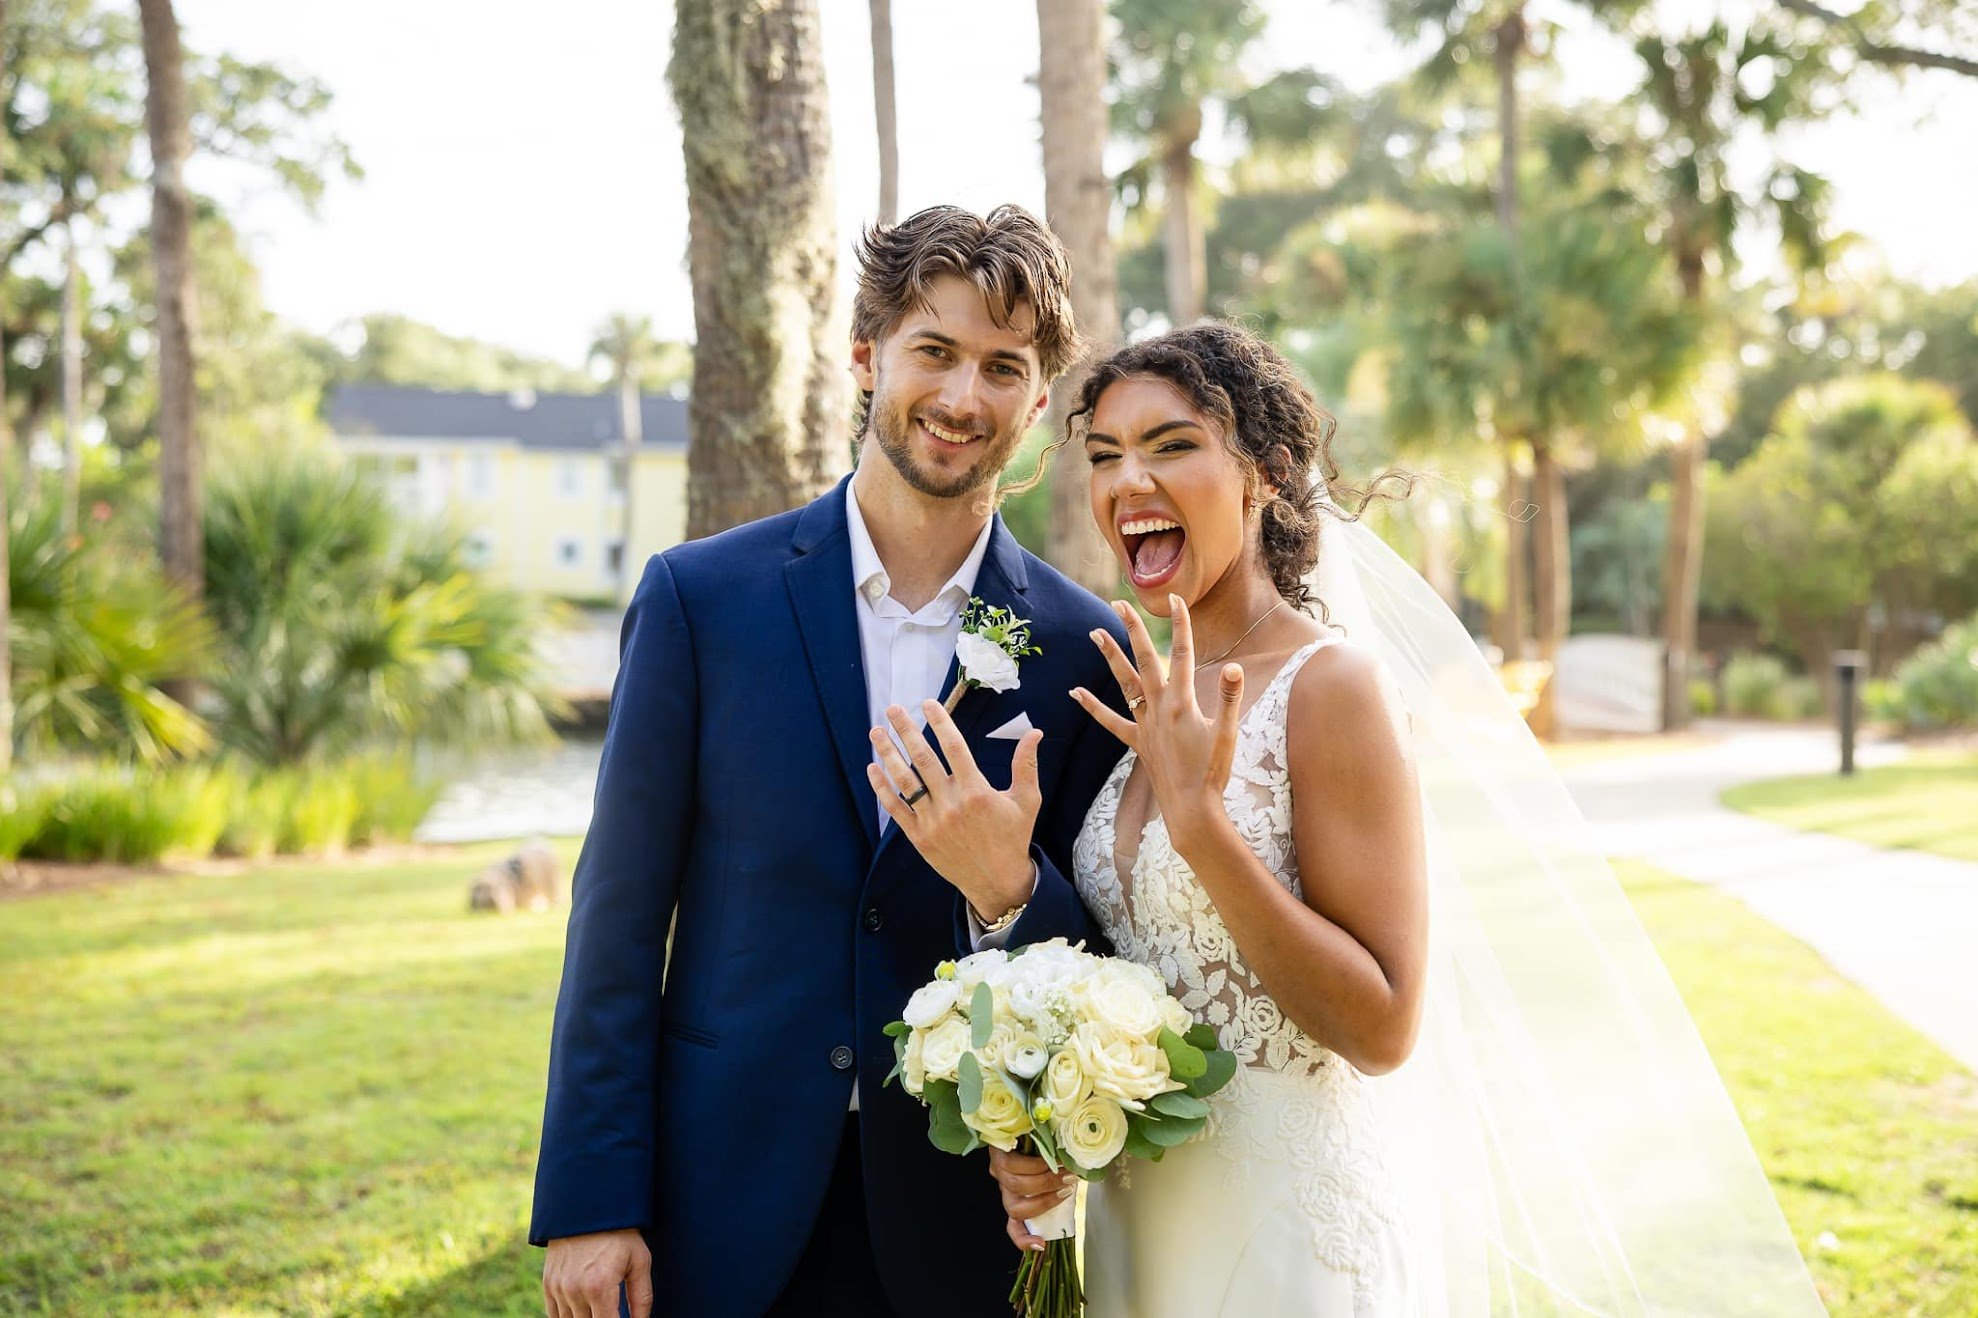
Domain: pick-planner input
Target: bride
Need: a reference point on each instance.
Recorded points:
(1418, 995)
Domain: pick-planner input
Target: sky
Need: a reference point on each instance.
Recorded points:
(523, 176)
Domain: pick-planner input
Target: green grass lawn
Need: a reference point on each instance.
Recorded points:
(1868, 1130)
(1929, 803)
(315, 1090)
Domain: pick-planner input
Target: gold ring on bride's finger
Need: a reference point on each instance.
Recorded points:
(1135, 702)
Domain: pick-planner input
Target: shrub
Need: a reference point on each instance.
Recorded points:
(1703, 697)
(322, 811)
(1753, 685)
(393, 797)
(105, 815)
(20, 816)
(1881, 700)
(1937, 687)
(254, 819)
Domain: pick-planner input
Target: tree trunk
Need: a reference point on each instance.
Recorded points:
(179, 521)
(1508, 47)
(631, 428)
(1510, 623)
(1682, 562)
(884, 112)
(6, 524)
(768, 418)
(1552, 573)
(1078, 200)
(1186, 249)
(71, 384)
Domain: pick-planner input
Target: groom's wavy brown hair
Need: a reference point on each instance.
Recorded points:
(1010, 257)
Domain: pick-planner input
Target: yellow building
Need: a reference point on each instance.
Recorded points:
(536, 480)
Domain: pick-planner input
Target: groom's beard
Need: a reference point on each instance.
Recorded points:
(892, 427)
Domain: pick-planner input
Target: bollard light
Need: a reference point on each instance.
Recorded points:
(1847, 669)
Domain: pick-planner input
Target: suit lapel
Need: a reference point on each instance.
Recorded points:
(1001, 584)
(820, 584)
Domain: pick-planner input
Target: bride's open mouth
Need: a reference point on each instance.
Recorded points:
(1153, 550)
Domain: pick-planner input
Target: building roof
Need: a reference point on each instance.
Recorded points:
(576, 422)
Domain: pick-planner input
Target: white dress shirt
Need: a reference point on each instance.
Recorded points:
(907, 654)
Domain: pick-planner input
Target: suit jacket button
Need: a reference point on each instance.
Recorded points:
(873, 920)
(841, 1057)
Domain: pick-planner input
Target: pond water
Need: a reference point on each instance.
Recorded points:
(517, 793)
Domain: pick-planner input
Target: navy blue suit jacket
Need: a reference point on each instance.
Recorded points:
(733, 805)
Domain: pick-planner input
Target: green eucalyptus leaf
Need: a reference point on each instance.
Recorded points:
(1218, 1070)
(981, 1015)
(1137, 1143)
(1179, 1103)
(1168, 1134)
(1203, 1036)
(1185, 1060)
(945, 1128)
(897, 1030)
(969, 1092)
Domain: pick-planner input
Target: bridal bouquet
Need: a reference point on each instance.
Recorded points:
(1083, 1059)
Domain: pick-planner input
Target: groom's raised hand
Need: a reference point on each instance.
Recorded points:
(974, 836)
(581, 1275)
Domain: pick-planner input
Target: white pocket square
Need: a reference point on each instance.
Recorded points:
(1014, 729)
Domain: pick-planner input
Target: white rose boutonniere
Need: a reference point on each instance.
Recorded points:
(987, 651)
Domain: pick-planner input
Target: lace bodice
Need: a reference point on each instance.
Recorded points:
(1155, 913)
(1295, 1108)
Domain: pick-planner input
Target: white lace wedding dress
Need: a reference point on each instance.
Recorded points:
(1285, 1205)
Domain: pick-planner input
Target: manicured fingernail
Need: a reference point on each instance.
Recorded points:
(1097, 636)
(1068, 1192)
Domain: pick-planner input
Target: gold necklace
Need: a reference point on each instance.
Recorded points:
(1246, 634)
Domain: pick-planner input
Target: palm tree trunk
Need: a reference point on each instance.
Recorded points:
(179, 539)
(632, 428)
(767, 420)
(1508, 47)
(71, 384)
(884, 112)
(1552, 562)
(1510, 622)
(1078, 197)
(6, 524)
(1682, 563)
(1186, 249)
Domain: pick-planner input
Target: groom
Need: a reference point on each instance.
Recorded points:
(716, 1138)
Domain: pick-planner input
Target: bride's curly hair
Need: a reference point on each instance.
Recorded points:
(1270, 423)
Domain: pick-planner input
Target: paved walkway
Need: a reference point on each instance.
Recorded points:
(1902, 924)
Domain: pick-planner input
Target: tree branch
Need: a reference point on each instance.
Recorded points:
(1877, 52)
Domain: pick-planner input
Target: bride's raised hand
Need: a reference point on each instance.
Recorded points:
(1187, 752)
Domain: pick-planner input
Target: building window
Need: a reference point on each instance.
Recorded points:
(614, 556)
(569, 551)
(478, 549)
(569, 478)
(480, 476)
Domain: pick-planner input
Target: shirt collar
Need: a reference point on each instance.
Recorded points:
(869, 575)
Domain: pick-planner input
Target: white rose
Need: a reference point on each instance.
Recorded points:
(913, 1064)
(1093, 1134)
(1175, 1016)
(986, 663)
(1121, 1066)
(942, 1047)
(1123, 999)
(930, 1003)
(995, 1052)
(1064, 1083)
(1001, 1118)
